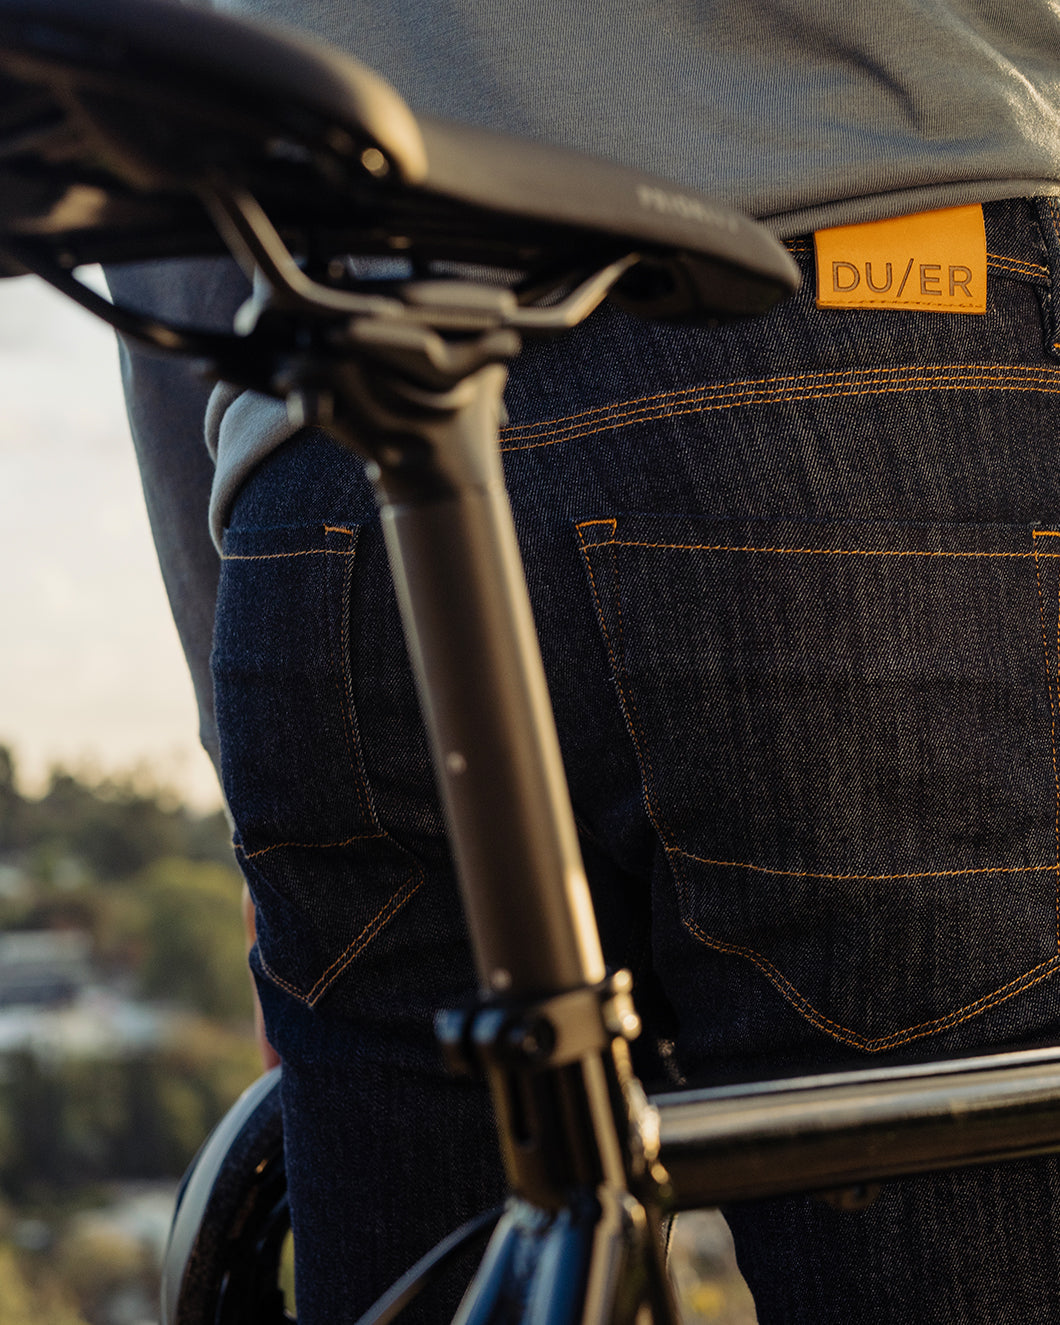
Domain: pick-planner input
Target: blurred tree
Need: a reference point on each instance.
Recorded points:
(195, 951)
(84, 1121)
(95, 1263)
(24, 1303)
(36, 1116)
(110, 827)
(10, 800)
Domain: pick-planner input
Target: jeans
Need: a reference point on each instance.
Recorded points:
(797, 582)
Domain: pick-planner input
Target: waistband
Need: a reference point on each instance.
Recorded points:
(1022, 244)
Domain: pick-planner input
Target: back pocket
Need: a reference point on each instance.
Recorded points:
(847, 742)
(299, 625)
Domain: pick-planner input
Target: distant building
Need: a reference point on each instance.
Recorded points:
(53, 1005)
(44, 967)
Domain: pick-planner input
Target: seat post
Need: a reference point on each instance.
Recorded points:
(424, 412)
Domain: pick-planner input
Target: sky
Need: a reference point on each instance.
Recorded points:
(91, 673)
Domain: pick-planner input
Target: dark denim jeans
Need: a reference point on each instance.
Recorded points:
(797, 582)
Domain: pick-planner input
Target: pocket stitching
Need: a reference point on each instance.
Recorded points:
(618, 670)
(1035, 534)
(799, 1002)
(353, 949)
(795, 388)
(344, 679)
(342, 667)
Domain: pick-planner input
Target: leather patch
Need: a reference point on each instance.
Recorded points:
(932, 260)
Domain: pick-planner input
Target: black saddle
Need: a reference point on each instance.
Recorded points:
(118, 117)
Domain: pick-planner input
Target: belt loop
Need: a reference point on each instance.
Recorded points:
(1048, 210)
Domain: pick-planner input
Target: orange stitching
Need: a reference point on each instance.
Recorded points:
(875, 385)
(705, 388)
(305, 846)
(763, 399)
(1031, 268)
(1056, 778)
(871, 878)
(650, 800)
(958, 1015)
(843, 1033)
(819, 551)
(280, 556)
(905, 376)
(382, 917)
(624, 699)
(596, 411)
(397, 899)
(802, 1005)
(379, 921)
(279, 980)
(364, 792)
(878, 370)
(1052, 716)
(618, 603)
(306, 552)
(350, 728)
(351, 731)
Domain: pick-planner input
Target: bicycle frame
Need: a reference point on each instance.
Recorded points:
(412, 383)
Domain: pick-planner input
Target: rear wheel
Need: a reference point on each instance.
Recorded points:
(225, 1253)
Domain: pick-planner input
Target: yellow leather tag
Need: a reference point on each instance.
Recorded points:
(933, 260)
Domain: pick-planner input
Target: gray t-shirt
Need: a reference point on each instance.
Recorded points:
(801, 112)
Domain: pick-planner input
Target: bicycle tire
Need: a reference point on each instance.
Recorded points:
(222, 1261)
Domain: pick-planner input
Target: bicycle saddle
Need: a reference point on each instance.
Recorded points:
(119, 117)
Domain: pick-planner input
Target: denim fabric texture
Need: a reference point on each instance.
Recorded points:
(797, 582)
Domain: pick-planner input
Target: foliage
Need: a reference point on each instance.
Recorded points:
(108, 828)
(193, 937)
(84, 1121)
(94, 1263)
(23, 1302)
(154, 886)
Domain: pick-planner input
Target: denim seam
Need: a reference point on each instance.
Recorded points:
(798, 1001)
(1002, 264)
(281, 556)
(379, 921)
(1043, 971)
(393, 904)
(844, 374)
(599, 411)
(1053, 699)
(303, 846)
(869, 878)
(821, 551)
(618, 671)
(344, 686)
(851, 383)
(342, 669)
